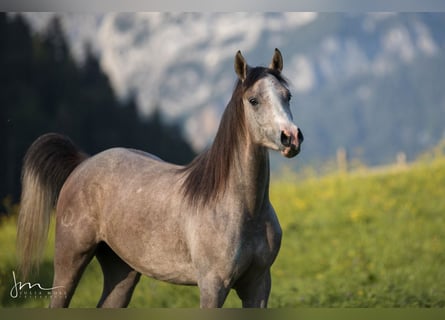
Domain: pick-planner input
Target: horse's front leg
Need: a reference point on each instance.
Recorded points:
(254, 293)
(213, 291)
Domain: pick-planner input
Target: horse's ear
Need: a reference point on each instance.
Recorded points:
(277, 61)
(240, 66)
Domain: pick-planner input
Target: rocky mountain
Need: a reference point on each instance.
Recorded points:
(371, 83)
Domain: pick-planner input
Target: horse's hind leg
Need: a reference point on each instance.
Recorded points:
(119, 278)
(74, 251)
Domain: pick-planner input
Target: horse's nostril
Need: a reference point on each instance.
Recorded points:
(285, 139)
(300, 136)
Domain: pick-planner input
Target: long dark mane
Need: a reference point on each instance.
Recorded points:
(207, 175)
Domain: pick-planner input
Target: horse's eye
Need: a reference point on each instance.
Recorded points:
(253, 101)
(288, 97)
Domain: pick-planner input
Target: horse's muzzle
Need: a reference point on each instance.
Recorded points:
(291, 141)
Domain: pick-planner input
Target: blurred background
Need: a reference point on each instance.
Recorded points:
(368, 89)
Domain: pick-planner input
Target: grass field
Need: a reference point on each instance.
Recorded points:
(349, 240)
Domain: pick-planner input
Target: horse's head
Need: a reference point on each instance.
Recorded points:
(266, 99)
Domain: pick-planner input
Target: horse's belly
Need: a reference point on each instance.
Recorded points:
(168, 262)
(172, 273)
(164, 258)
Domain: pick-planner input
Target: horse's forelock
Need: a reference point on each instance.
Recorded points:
(258, 73)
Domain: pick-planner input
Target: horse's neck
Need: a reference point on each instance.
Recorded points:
(251, 177)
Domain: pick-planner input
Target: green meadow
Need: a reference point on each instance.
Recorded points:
(358, 239)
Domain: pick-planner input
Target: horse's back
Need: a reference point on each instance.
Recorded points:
(125, 156)
(120, 161)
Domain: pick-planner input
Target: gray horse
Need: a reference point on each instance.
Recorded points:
(209, 223)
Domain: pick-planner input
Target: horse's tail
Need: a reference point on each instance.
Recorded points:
(47, 164)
